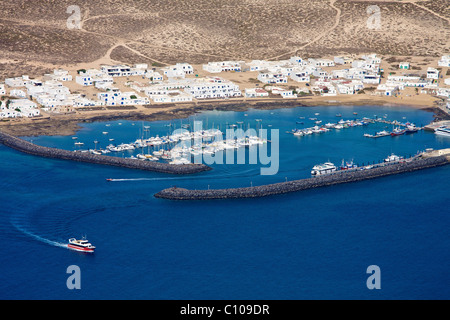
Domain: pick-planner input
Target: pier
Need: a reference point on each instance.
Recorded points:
(425, 160)
(33, 149)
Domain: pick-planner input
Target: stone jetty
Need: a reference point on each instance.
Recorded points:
(416, 163)
(30, 148)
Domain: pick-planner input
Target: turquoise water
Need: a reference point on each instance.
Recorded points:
(315, 244)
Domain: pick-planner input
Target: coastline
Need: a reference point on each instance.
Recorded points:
(68, 124)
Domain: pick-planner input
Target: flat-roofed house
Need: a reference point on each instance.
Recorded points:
(256, 93)
(404, 65)
(432, 73)
(444, 61)
(84, 81)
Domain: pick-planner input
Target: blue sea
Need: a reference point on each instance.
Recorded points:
(314, 244)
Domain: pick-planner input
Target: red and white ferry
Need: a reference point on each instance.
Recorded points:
(80, 245)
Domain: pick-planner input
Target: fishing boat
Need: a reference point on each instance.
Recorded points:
(80, 245)
(348, 166)
(398, 132)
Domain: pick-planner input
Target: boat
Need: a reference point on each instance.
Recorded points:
(74, 138)
(324, 168)
(80, 245)
(393, 158)
(348, 165)
(411, 129)
(339, 115)
(355, 113)
(104, 132)
(79, 143)
(398, 132)
(442, 131)
(379, 134)
(109, 180)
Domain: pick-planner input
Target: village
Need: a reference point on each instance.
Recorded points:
(123, 87)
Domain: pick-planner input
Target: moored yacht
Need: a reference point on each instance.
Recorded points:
(442, 131)
(393, 158)
(325, 168)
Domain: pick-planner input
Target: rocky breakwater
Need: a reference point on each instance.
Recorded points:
(30, 148)
(418, 163)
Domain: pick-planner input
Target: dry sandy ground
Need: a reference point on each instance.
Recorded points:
(160, 31)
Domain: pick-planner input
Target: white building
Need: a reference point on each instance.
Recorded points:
(117, 70)
(387, 90)
(154, 76)
(60, 75)
(284, 93)
(272, 78)
(445, 61)
(114, 97)
(404, 65)
(17, 108)
(17, 93)
(432, 73)
(84, 80)
(256, 93)
(180, 70)
(321, 62)
(443, 92)
(259, 65)
(210, 88)
(295, 60)
(343, 60)
(223, 66)
(172, 96)
(17, 82)
(300, 76)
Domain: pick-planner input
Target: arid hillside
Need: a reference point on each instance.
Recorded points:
(35, 36)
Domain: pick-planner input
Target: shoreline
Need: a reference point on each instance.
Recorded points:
(69, 124)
